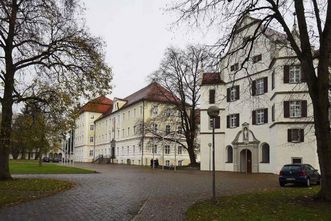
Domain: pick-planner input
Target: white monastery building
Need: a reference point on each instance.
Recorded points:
(84, 133)
(133, 130)
(266, 117)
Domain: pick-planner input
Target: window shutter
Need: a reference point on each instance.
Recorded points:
(273, 80)
(212, 96)
(265, 115)
(265, 84)
(228, 121)
(304, 108)
(289, 133)
(218, 122)
(238, 120)
(253, 88)
(303, 76)
(302, 135)
(286, 73)
(286, 109)
(237, 92)
(228, 94)
(254, 117)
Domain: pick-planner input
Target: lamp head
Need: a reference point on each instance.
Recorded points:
(213, 111)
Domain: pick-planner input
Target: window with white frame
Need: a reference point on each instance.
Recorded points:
(91, 127)
(233, 120)
(155, 110)
(260, 116)
(259, 86)
(91, 153)
(154, 149)
(167, 149)
(180, 163)
(233, 93)
(133, 149)
(294, 74)
(154, 128)
(179, 130)
(167, 129)
(180, 150)
(128, 150)
(91, 139)
(167, 163)
(295, 109)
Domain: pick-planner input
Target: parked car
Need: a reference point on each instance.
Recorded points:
(46, 159)
(299, 174)
(56, 160)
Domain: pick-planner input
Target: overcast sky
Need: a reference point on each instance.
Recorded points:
(137, 32)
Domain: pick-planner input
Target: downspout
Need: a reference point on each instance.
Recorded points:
(143, 134)
(95, 130)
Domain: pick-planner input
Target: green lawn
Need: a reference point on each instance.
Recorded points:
(32, 167)
(291, 203)
(21, 190)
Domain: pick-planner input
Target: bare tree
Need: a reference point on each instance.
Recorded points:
(180, 72)
(314, 24)
(46, 55)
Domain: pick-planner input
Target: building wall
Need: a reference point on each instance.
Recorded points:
(274, 132)
(124, 126)
(84, 136)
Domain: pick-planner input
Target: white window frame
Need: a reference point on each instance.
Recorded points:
(91, 139)
(154, 149)
(298, 135)
(180, 150)
(168, 129)
(260, 116)
(294, 74)
(167, 162)
(233, 94)
(91, 127)
(295, 109)
(259, 86)
(233, 121)
(167, 149)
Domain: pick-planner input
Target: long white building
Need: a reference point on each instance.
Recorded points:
(133, 130)
(266, 117)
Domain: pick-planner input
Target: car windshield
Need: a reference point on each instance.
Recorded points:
(291, 167)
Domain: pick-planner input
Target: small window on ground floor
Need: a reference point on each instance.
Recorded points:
(296, 160)
(167, 163)
(180, 163)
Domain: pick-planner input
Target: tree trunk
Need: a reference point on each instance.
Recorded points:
(5, 134)
(190, 150)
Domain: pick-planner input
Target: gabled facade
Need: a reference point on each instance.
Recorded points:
(124, 134)
(266, 119)
(84, 133)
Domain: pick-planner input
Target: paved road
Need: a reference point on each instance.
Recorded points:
(122, 192)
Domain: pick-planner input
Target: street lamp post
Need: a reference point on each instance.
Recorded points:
(213, 113)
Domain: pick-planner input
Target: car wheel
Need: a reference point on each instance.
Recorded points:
(282, 184)
(308, 182)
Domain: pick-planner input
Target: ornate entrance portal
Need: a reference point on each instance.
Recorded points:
(245, 151)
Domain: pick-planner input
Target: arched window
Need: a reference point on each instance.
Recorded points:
(265, 153)
(229, 151)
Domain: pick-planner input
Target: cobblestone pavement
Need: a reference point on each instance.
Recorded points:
(122, 192)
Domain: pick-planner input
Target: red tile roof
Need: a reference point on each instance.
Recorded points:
(98, 105)
(152, 92)
(211, 78)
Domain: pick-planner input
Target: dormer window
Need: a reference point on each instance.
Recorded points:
(234, 67)
(257, 58)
